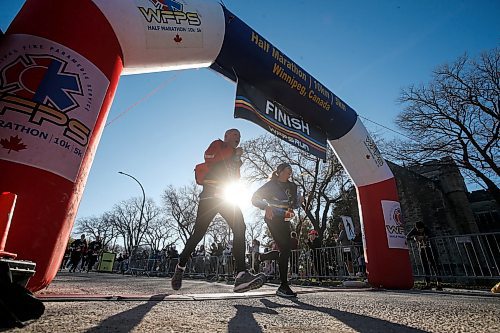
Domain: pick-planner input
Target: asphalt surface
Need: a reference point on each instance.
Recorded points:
(98, 302)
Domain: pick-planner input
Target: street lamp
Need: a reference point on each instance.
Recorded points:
(143, 193)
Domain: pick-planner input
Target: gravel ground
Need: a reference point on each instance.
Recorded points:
(212, 307)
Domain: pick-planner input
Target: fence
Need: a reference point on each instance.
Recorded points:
(197, 267)
(459, 258)
(464, 258)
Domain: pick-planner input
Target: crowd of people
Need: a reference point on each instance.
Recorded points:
(311, 258)
(82, 255)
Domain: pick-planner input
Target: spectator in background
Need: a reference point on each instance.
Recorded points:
(201, 251)
(255, 252)
(228, 250)
(213, 250)
(118, 261)
(125, 263)
(214, 253)
(421, 234)
(358, 246)
(269, 263)
(198, 261)
(172, 258)
(331, 240)
(173, 253)
(314, 244)
(163, 260)
(345, 244)
(227, 259)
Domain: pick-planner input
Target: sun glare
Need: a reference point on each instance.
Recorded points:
(237, 193)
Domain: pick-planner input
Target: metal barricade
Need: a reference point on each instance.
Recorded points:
(197, 267)
(170, 264)
(225, 267)
(463, 258)
(460, 257)
(338, 262)
(138, 266)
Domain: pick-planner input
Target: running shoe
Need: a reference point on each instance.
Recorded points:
(246, 281)
(285, 291)
(262, 276)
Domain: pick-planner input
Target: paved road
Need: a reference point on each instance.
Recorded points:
(113, 303)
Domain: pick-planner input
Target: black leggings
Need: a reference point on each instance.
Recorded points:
(280, 230)
(207, 209)
(75, 259)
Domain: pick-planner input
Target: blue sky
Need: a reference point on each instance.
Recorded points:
(363, 51)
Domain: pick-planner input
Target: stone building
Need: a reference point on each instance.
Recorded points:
(486, 211)
(435, 193)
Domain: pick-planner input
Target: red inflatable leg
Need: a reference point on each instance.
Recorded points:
(387, 265)
(61, 62)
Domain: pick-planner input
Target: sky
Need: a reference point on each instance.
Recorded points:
(363, 51)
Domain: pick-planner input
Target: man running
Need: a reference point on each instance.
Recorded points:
(222, 165)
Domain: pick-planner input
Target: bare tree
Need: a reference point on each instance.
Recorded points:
(255, 227)
(161, 231)
(126, 220)
(160, 234)
(181, 205)
(457, 114)
(323, 183)
(97, 226)
(218, 231)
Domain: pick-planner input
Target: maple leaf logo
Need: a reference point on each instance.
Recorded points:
(14, 143)
(178, 38)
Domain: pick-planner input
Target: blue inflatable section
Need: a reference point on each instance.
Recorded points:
(247, 56)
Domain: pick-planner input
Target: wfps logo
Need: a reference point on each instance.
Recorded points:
(42, 79)
(167, 5)
(40, 89)
(396, 223)
(398, 217)
(169, 12)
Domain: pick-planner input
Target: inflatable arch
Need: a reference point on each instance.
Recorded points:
(60, 62)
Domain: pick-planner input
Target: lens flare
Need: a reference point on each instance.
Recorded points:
(237, 193)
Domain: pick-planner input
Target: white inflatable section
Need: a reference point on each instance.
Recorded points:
(360, 156)
(154, 37)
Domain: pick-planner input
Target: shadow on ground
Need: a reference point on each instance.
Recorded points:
(129, 319)
(244, 320)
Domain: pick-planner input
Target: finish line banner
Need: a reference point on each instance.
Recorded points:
(247, 56)
(252, 105)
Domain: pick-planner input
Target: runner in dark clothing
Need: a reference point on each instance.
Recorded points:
(223, 162)
(78, 247)
(278, 197)
(93, 252)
